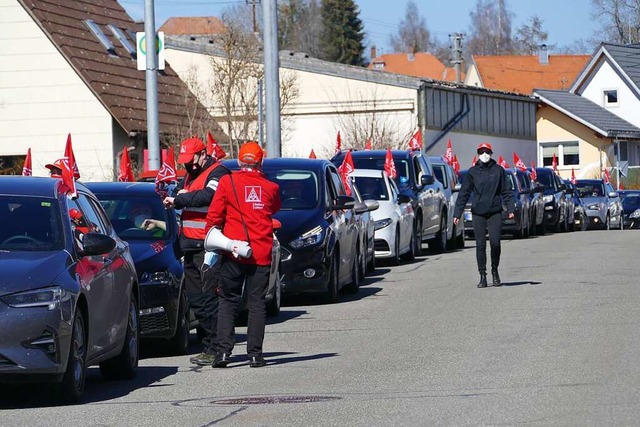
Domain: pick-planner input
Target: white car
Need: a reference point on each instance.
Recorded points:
(394, 218)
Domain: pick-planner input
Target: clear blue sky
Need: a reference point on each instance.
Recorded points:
(565, 20)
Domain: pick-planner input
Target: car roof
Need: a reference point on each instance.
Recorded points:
(42, 186)
(375, 173)
(379, 153)
(438, 160)
(591, 181)
(285, 162)
(132, 188)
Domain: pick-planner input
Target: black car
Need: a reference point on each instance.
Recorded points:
(555, 205)
(536, 202)
(68, 289)
(319, 249)
(415, 179)
(631, 208)
(164, 310)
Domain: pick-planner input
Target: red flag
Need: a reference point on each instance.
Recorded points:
(534, 174)
(456, 164)
(415, 143)
(390, 165)
(338, 143)
(166, 174)
(213, 149)
(448, 155)
(26, 169)
(312, 155)
(474, 161)
(502, 162)
(126, 172)
(68, 180)
(71, 159)
(573, 177)
(517, 163)
(345, 170)
(621, 184)
(554, 163)
(607, 177)
(367, 144)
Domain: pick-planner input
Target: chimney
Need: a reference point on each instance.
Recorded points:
(374, 53)
(543, 55)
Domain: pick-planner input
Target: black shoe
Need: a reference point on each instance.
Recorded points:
(483, 280)
(257, 361)
(496, 278)
(221, 360)
(203, 359)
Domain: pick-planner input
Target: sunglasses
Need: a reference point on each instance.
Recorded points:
(484, 150)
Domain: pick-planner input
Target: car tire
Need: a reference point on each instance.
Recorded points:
(621, 222)
(607, 223)
(124, 365)
(396, 255)
(179, 343)
(71, 388)
(440, 241)
(362, 259)
(418, 234)
(411, 255)
(333, 294)
(273, 307)
(371, 265)
(354, 285)
(451, 243)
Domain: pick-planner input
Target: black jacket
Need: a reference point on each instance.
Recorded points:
(488, 184)
(199, 198)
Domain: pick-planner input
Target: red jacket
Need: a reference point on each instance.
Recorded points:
(258, 199)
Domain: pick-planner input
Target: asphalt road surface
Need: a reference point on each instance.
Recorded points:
(558, 344)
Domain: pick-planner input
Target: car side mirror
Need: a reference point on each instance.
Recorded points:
(96, 244)
(372, 205)
(613, 195)
(427, 180)
(403, 198)
(343, 202)
(562, 187)
(360, 208)
(276, 224)
(457, 187)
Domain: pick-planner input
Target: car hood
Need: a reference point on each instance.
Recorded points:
(387, 209)
(154, 255)
(590, 200)
(22, 271)
(297, 222)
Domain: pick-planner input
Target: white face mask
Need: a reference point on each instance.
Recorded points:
(484, 157)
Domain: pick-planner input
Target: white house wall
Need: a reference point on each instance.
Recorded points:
(42, 99)
(606, 78)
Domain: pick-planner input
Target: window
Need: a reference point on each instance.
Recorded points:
(102, 38)
(567, 153)
(123, 40)
(610, 97)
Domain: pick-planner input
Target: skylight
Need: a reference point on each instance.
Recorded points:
(104, 40)
(122, 38)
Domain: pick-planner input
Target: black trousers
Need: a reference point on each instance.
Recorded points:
(492, 222)
(255, 279)
(202, 293)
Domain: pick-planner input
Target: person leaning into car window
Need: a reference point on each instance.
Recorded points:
(195, 193)
(487, 180)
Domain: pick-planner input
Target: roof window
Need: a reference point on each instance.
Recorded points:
(102, 38)
(122, 38)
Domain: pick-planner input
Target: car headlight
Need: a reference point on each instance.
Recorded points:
(46, 297)
(635, 214)
(156, 277)
(548, 199)
(311, 237)
(596, 206)
(382, 223)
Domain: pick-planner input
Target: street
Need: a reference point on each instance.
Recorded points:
(557, 344)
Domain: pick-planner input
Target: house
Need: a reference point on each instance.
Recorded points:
(523, 73)
(365, 103)
(419, 64)
(579, 132)
(188, 25)
(70, 67)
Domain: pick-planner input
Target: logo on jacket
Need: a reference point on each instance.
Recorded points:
(253, 194)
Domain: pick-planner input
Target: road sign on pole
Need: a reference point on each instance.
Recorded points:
(141, 45)
(624, 167)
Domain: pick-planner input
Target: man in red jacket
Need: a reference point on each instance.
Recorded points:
(242, 208)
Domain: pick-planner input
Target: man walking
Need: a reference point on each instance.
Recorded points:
(243, 207)
(195, 193)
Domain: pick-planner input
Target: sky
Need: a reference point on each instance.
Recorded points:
(565, 20)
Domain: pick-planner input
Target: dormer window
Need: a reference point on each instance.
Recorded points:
(610, 97)
(378, 64)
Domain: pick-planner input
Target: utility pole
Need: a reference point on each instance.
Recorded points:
(271, 76)
(457, 55)
(151, 75)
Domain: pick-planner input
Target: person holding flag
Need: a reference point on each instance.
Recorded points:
(195, 193)
(487, 181)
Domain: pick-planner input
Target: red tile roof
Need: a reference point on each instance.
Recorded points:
(419, 64)
(183, 25)
(523, 73)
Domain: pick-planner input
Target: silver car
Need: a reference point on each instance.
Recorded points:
(599, 203)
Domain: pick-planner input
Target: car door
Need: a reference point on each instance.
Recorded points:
(431, 197)
(405, 217)
(346, 226)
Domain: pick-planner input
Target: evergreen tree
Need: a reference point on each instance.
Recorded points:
(342, 34)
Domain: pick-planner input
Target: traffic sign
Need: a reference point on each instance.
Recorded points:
(623, 166)
(141, 45)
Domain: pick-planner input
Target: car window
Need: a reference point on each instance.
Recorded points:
(356, 191)
(511, 181)
(372, 187)
(299, 188)
(590, 189)
(630, 199)
(30, 224)
(402, 166)
(338, 186)
(440, 172)
(546, 180)
(522, 179)
(427, 166)
(93, 220)
(127, 214)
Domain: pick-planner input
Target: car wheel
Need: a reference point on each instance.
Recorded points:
(71, 388)
(584, 223)
(354, 286)
(180, 341)
(440, 241)
(124, 365)
(371, 265)
(418, 238)
(363, 263)
(332, 287)
(621, 222)
(607, 223)
(273, 307)
(396, 255)
(411, 255)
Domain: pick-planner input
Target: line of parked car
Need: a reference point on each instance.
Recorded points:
(85, 282)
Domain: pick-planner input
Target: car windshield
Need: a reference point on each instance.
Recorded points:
(545, 179)
(630, 199)
(299, 189)
(590, 189)
(129, 212)
(402, 167)
(372, 188)
(30, 224)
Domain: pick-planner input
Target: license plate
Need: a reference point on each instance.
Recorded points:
(467, 216)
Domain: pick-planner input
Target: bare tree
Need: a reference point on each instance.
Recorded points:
(620, 20)
(490, 28)
(413, 35)
(530, 36)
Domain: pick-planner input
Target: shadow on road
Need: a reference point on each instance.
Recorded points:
(528, 282)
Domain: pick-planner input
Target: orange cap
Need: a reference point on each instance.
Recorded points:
(485, 146)
(56, 167)
(250, 153)
(75, 213)
(188, 148)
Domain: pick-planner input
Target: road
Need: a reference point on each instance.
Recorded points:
(419, 345)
